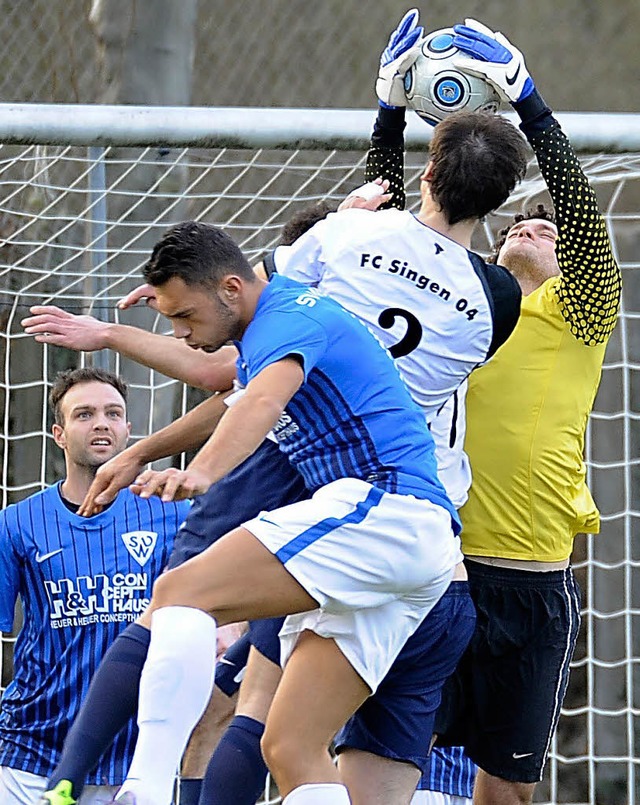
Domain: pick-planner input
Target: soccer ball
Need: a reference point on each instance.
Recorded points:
(434, 87)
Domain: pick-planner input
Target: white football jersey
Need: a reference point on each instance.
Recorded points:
(448, 429)
(437, 307)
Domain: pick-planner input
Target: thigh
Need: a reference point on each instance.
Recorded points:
(397, 721)
(235, 579)
(318, 691)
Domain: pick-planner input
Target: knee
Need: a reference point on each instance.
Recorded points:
(279, 751)
(490, 790)
(166, 590)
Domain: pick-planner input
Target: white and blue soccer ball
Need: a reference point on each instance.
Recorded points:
(435, 88)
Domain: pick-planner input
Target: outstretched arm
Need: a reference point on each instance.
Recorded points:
(385, 158)
(242, 429)
(189, 432)
(589, 292)
(212, 372)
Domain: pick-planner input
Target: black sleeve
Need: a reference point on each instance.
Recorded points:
(504, 295)
(589, 290)
(385, 158)
(269, 265)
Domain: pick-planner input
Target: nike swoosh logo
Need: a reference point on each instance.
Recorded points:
(511, 80)
(43, 557)
(225, 661)
(525, 754)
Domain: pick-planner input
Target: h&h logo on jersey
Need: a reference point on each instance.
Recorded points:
(140, 545)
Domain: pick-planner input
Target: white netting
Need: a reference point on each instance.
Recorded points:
(77, 223)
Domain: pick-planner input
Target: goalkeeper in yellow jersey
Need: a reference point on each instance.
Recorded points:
(527, 411)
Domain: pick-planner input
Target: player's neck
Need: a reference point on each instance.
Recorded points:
(460, 232)
(76, 485)
(247, 309)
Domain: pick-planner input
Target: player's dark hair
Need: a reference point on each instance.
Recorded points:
(72, 377)
(477, 160)
(198, 254)
(303, 220)
(540, 211)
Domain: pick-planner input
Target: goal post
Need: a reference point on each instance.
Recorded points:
(85, 192)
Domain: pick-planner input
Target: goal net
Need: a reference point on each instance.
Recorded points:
(78, 221)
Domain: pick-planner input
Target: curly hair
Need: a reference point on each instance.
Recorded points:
(303, 220)
(540, 211)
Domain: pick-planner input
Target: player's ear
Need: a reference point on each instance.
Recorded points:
(428, 172)
(59, 436)
(230, 288)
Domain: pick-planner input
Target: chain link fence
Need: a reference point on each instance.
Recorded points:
(583, 53)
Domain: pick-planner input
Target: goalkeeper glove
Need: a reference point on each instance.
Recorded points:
(493, 58)
(398, 56)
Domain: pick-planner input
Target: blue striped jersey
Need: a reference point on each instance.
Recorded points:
(81, 581)
(438, 308)
(450, 771)
(353, 417)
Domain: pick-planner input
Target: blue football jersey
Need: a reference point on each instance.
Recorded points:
(81, 581)
(353, 416)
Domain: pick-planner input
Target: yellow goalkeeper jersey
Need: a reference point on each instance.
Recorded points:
(527, 410)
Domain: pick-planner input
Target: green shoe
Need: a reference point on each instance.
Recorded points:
(60, 795)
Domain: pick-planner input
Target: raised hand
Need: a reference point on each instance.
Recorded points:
(111, 477)
(52, 325)
(493, 58)
(398, 56)
(368, 196)
(144, 292)
(171, 484)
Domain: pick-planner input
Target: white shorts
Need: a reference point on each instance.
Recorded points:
(437, 798)
(23, 788)
(375, 562)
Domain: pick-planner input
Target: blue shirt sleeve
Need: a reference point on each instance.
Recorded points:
(279, 335)
(9, 577)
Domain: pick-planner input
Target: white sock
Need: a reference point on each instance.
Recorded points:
(318, 794)
(175, 687)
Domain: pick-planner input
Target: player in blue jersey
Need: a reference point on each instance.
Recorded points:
(237, 772)
(482, 320)
(352, 430)
(80, 582)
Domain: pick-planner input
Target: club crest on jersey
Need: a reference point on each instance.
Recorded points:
(140, 545)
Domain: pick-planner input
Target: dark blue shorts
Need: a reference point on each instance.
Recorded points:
(264, 481)
(230, 667)
(263, 636)
(397, 721)
(512, 679)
